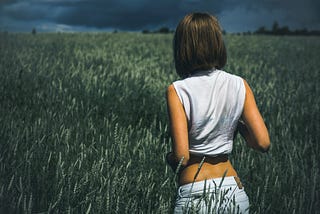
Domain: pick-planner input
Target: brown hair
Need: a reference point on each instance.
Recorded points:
(198, 44)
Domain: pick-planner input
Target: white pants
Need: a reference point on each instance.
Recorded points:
(216, 195)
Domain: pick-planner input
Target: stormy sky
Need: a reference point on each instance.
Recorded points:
(136, 15)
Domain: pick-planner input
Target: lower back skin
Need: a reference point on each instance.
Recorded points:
(211, 168)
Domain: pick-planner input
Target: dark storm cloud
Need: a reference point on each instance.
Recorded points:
(134, 15)
(124, 14)
(139, 14)
(292, 11)
(112, 14)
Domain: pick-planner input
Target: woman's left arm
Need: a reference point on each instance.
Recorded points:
(179, 129)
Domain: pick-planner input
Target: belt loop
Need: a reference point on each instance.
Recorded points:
(237, 179)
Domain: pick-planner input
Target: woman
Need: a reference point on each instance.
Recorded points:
(205, 108)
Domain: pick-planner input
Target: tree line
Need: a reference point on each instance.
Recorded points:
(284, 30)
(275, 30)
(160, 30)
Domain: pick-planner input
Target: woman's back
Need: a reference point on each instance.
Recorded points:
(213, 102)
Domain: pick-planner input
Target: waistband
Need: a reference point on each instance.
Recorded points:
(210, 185)
(209, 159)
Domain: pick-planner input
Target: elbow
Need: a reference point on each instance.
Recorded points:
(185, 162)
(182, 160)
(262, 145)
(265, 146)
(263, 142)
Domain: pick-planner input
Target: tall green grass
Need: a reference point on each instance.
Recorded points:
(83, 124)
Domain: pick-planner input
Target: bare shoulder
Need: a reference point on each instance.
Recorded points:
(171, 91)
(247, 87)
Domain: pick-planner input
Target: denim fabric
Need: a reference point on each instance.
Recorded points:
(212, 196)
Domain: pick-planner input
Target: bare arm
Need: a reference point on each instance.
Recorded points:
(179, 129)
(253, 128)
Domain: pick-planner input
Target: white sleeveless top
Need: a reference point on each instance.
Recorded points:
(213, 102)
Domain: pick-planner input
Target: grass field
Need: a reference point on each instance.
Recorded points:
(83, 123)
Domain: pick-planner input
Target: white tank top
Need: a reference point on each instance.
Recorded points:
(213, 102)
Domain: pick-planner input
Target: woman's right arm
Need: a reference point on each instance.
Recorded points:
(253, 128)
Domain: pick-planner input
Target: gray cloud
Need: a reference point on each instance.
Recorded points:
(141, 14)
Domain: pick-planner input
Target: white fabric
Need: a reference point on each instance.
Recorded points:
(213, 102)
(218, 195)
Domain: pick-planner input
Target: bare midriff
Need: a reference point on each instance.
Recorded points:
(212, 167)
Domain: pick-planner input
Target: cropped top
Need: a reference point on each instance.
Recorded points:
(213, 101)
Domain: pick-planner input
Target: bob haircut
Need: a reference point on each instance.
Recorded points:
(198, 44)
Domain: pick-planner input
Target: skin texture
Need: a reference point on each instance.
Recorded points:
(251, 127)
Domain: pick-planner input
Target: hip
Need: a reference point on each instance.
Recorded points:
(218, 195)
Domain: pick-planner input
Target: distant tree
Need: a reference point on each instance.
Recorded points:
(224, 32)
(303, 31)
(261, 30)
(284, 31)
(164, 30)
(145, 31)
(314, 32)
(275, 28)
(34, 31)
